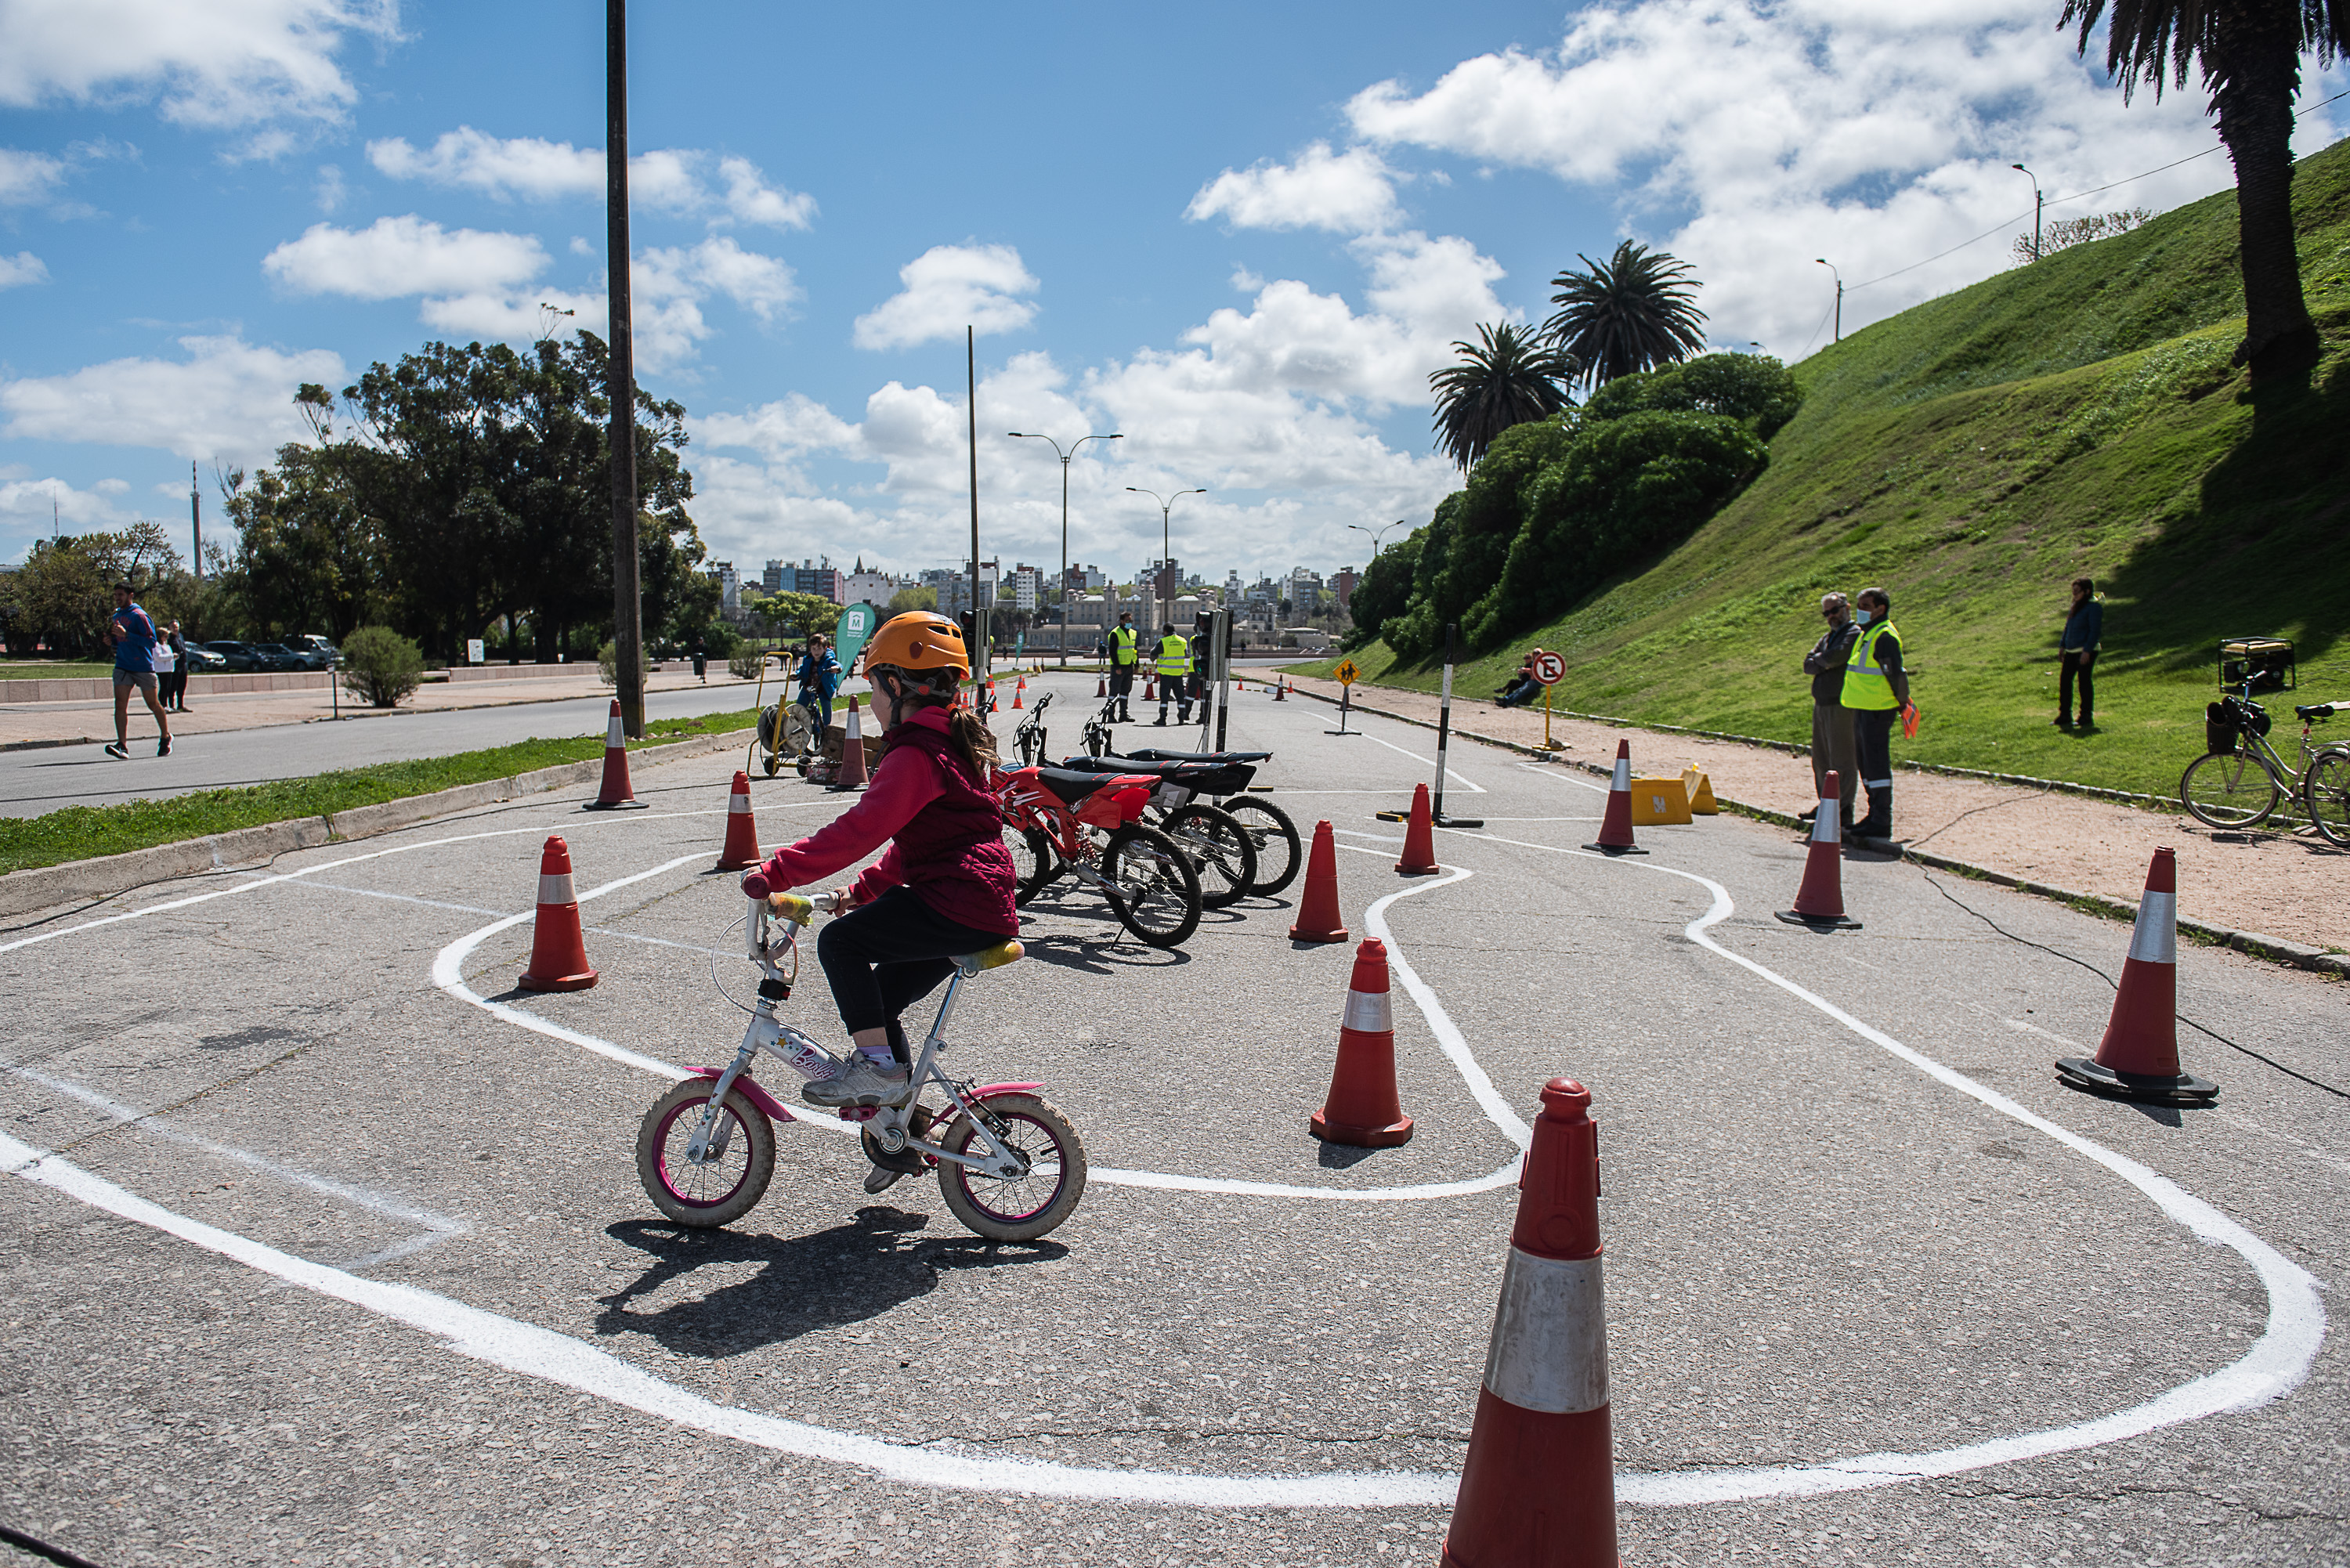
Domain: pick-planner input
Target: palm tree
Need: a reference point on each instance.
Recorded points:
(1513, 379)
(2249, 51)
(1631, 312)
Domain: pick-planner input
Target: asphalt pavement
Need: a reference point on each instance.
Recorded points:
(327, 1245)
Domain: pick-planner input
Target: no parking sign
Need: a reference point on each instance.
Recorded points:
(1549, 669)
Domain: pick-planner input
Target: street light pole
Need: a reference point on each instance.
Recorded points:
(620, 383)
(1065, 457)
(1376, 536)
(1839, 304)
(2037, 202)
(1166, 536)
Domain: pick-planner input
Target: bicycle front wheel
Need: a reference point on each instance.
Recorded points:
(1273, 838)
(1219, 850)
(1025, 1207)
(2327, 796)
(2228, 789)
(739, 1162)
(1151, 886)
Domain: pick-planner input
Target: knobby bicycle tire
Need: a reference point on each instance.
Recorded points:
(1167, 883)
(1219, 850)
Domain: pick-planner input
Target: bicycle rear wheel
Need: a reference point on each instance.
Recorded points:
(2327, 796)
(2228, 789)
(1219, 850)
(1023, 1207)
(1034, 863)
(1273, 838)
(1150, 885)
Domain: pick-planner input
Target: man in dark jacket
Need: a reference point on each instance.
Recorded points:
(2085, 627)
(1832, 731)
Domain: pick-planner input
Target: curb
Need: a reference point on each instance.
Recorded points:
(104, 876)
(2255, 943)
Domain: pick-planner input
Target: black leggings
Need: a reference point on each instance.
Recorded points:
(881, 957)
(2077, 662)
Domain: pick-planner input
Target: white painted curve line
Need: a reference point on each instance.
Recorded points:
(2278, 1362)
(1427, 762)
(560, 1359)
(1552, 774)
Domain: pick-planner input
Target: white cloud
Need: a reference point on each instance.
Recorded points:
(1351, 192)
(948, 287)
(669, 179)
(228, 398)
(393, 257)
(1749, 139)
(226, 65)
(27, 177)
(21, 268)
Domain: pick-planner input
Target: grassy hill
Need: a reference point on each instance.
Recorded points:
(1973, 455)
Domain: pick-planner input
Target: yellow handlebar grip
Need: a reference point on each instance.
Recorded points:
(791, 907)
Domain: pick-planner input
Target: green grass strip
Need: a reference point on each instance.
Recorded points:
(79, 832)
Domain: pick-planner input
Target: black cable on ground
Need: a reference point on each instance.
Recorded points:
(2101, 974)
(42, 1549)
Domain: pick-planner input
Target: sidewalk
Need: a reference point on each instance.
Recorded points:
(2292, 887)
(93, 720)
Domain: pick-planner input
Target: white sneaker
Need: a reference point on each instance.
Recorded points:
(866, 1083)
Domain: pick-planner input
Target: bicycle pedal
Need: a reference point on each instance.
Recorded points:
(859, 1113)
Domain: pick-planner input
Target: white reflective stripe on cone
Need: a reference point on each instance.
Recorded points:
(739, 803)
(556, 889)
(614, 735)
(1369, 1012)
(2155, 938)
(1827, 823)
(1622, 777)
(1550, 1335)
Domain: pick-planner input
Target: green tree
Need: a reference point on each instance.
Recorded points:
(1386, 588)
(798, 614)
(1480, 525)
(62, 595)
(307, 558)
(1754, 389)
(1508, 378)
(2250, 53)
(1635, 311)
(908, 599)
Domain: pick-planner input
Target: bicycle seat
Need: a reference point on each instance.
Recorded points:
(2315, 710)
(1155, 754)
(1071, 786)
(1207, 778)
(996, 957)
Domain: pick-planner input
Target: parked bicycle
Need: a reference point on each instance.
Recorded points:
(2242, 779)
(1271, 835)
(1010, 1164)
(1088, 827)
(1029, 738)
(1220, 849)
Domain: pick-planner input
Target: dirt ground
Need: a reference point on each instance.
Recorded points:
(2291, 885)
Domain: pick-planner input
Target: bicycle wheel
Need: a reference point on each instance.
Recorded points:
(1034, 863)
(1025, 1207)
(1151, 886)
(2326, 792)
(725, 1186)
(1273, 838)
(1219, 850)
(2228, 789)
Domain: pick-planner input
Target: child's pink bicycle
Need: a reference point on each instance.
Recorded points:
(1011, 1165)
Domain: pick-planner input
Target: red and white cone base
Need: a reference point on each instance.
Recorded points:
(2139, 1058)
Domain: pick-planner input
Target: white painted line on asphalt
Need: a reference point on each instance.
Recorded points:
(440, 1227)
(1575, 779)
(560, 1359)
(2278, 1362)
(1430, 761)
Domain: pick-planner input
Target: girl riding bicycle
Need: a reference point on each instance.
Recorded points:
(943, 887)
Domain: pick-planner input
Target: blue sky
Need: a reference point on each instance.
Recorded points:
(1243, 236)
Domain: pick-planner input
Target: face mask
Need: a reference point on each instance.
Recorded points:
(1864, 616)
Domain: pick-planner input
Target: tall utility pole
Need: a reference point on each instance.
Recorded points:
(1167, 584)
(196, 519)
(628, 606)
(1065, 457)
(1839, 303)
(2037, 202)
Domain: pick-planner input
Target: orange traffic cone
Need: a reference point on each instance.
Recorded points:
(1819, 902)
(1151, 687)
(1615, 823)
(1280, 691)
(1101, 687)
(558, 951)
(741, 850)
(1362, 1108)
(1418, 837)
(615, 794)
(2139, 1058)
(852, 774)
(1020, 692)
(1317, 911)
(1539, 1486)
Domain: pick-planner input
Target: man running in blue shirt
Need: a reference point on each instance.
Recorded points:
(134, 635)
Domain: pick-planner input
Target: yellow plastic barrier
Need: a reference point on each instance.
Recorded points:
(1658, 803)
(1699, 790)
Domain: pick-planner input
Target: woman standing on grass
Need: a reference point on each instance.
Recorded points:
(2085, 627)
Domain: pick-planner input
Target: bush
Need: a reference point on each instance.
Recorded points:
(607, 662)
(1752, 388)
(745, 661)
(379, 666)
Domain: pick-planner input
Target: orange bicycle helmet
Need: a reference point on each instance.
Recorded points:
(917, 643)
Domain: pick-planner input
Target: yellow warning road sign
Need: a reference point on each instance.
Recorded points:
(1346, 674)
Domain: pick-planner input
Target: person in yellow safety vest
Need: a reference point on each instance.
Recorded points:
(1174, 670)
(1124, 655)
(1876, 689)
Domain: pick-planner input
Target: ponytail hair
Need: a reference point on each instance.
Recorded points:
(973, 740)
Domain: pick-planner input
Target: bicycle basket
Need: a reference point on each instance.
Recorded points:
(2227, 721)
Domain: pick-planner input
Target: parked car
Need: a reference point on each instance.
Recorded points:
(328, 654)
(281, 657)
(239, 656)
(204, 661)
